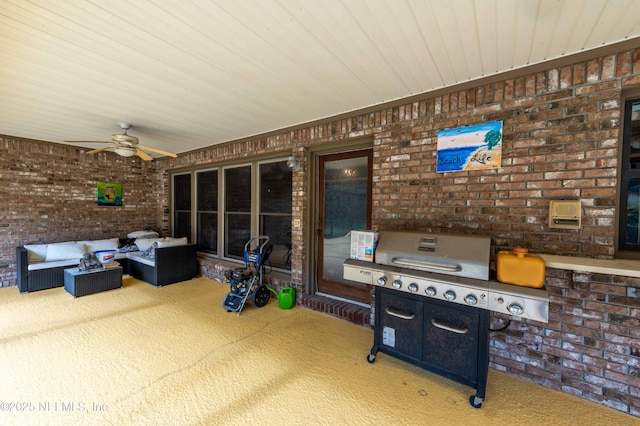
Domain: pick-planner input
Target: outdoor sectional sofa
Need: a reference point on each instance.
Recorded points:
(158, 261)
(170, 264)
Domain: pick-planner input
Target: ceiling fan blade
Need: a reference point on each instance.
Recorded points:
(125, 145)
(88, 141)
(143, 155)
(104, 148)
(158, 151)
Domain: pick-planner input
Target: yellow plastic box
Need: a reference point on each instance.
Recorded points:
(519, 267)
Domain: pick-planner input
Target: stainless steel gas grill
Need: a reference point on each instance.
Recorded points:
(432, 302)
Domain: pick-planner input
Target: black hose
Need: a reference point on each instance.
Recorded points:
(504, 327)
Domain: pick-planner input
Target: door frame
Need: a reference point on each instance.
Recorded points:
(313, 201)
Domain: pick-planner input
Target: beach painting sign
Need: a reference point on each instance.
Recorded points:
(470, 148)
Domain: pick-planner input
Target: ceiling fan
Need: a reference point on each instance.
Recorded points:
(126, 145)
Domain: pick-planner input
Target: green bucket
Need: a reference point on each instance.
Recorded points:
(287, 297)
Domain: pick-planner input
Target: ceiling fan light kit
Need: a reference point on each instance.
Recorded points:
(126, 145)
(125, 151)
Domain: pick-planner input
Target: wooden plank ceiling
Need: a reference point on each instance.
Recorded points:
(190, 74)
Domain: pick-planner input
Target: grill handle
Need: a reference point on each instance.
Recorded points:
(399, 314)
(418, 264)
(447, 328)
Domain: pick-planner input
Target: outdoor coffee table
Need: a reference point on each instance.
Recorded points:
(80, 283)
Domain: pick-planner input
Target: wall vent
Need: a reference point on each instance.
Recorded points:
(565, 214)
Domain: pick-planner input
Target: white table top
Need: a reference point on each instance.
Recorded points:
(76, 271)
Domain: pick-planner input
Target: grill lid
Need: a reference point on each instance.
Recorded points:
(449, 254)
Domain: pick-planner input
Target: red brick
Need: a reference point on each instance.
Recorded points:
(636, 61)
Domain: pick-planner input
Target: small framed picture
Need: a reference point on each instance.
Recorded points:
(470, 148)
(109, 194)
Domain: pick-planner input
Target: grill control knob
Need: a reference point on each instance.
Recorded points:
(471, 299)
(413, 287)
(515, 309)
(382, 280)
(397, 284)
(431, 291)
(450, 295)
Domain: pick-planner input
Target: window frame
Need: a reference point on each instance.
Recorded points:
(625, 174)
(195, 206)
(260, 215)
(223, 200)
(172, 209)
(255, 214)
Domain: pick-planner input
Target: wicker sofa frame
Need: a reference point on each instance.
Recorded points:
(43, 279)
(173, 264)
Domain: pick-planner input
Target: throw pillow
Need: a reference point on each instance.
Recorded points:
(172, 242)
(65, 251)
(131, 246)
(151, 251)
(144, 243)
(143, 234)
(98, 245)
(36, 252)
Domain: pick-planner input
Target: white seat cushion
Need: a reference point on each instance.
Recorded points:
(121, 255)
(173, 242)
(46, 265)
(138, 257)
(145, 243)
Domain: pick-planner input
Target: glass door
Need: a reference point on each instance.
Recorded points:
(344, 204)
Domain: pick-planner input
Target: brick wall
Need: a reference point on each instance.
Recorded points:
(48, 194)
(560, 141)
(590, 347)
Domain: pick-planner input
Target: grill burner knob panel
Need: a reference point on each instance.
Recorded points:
(516, 309)
(517, 301)
(433, 286)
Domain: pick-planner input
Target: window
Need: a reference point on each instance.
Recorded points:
(628, 233)
(237, 210)
(207, 220)
(275, 210)
(241, 201)
(182, 205)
